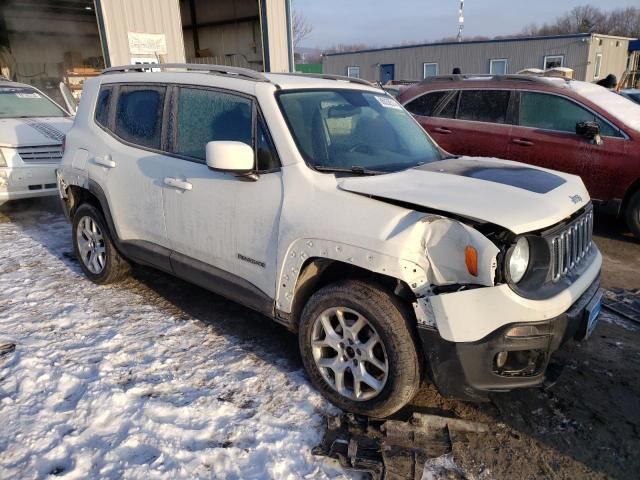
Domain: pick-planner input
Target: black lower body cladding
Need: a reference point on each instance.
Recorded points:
(503, 361)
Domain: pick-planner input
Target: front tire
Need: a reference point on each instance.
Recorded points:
(632, 214)
(359, 348)
(94, 249)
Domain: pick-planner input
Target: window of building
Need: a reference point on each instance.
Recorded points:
(598, 67)
(435, 104)
(103, 106)
(353, 72)
(429, 70)
(206, 116)
(553, 61)
(139, 115)
(498, 66)
(484, 105)
(551, 112)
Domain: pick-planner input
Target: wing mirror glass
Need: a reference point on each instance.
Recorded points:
(590, 131)
(227, 156)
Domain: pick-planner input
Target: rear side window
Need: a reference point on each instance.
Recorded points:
(435, 104)
(206, 115)
(551, 112)
(102, 106)
(484, 105)
(139, 115)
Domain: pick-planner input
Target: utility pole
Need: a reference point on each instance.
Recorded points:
(461, 21)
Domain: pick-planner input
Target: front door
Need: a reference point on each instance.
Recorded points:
(545, 136)
(218, 222)
(387, 73)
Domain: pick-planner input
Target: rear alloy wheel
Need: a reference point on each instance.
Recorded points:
(632, 214)
(98, 258)
(359, 349)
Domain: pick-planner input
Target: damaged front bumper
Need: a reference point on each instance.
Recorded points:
(514, 356)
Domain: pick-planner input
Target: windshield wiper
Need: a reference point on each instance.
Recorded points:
(358, 170)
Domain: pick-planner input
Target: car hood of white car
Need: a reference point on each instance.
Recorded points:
(519, 197)
(29, 131)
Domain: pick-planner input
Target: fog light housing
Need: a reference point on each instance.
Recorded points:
(501, 359)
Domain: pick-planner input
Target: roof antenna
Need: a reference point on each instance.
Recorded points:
(461, 21)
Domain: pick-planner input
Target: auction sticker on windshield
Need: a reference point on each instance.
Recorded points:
(388, 102)
(28, 95)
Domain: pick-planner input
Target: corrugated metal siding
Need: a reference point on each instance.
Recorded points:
(278, 35)
(471, 58)
(614, 51)
(142, 16)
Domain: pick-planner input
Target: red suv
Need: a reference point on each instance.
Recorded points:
(566, 125)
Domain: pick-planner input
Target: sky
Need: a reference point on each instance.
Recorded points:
(384, 22)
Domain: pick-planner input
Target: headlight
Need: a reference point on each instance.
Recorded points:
(519, 260)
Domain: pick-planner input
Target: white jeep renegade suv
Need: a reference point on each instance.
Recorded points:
(322, 204)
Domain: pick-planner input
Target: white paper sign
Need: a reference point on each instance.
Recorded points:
(28, 95)
(388, 102)
(147, 43)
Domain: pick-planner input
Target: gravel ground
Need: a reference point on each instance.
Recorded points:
(585, 426)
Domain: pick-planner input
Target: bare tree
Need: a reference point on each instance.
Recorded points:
(301, 28)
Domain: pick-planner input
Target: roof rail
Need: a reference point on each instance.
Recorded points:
(521, 78)
(244, 73)
(326, 76)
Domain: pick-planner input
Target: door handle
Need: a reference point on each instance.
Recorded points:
(444, 131)
(105, 161)
(179, 184)
(523, 142)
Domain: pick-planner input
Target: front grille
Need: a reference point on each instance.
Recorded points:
(46, 154)
(570, 246)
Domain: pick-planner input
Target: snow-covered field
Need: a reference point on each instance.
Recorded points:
(123, 382)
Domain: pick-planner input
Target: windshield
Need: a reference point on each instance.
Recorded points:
(26, 102)
(352, 129)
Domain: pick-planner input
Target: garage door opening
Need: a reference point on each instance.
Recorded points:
(44, 42)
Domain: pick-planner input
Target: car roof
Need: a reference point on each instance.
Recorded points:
(279, 80)
(10, 84)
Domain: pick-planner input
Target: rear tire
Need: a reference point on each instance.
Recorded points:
(94, 249)
(632, 214)
(371, 366)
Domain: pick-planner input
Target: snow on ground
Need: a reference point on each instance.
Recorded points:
(115, 382)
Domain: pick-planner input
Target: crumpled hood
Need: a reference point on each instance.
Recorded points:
(519, 197)
(16, 132)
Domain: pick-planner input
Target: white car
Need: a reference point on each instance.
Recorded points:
(322, 204)
(32, 129)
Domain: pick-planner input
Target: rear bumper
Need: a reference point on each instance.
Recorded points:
(470, 370)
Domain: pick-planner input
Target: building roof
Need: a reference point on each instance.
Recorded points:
(471, 42)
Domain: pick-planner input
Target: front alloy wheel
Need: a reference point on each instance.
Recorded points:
(349, 354)
(358, 345)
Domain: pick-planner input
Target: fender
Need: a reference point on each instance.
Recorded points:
(302, 249)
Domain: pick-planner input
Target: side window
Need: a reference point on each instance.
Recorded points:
(436, 104)
(139, 115)
(551, 112)
(484, 105)
(102, 106)
(267, 158)
(206, 116)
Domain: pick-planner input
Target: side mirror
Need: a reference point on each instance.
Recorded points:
(590, 131)
(227, 156)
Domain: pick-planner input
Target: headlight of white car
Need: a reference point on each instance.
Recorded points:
(519, 260)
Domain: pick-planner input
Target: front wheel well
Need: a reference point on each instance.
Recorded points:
(317, 273)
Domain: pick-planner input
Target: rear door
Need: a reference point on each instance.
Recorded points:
(467, 122)
(128, 163)
(545, 136)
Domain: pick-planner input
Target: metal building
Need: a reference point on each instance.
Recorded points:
(43, 42)
(591, 56)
